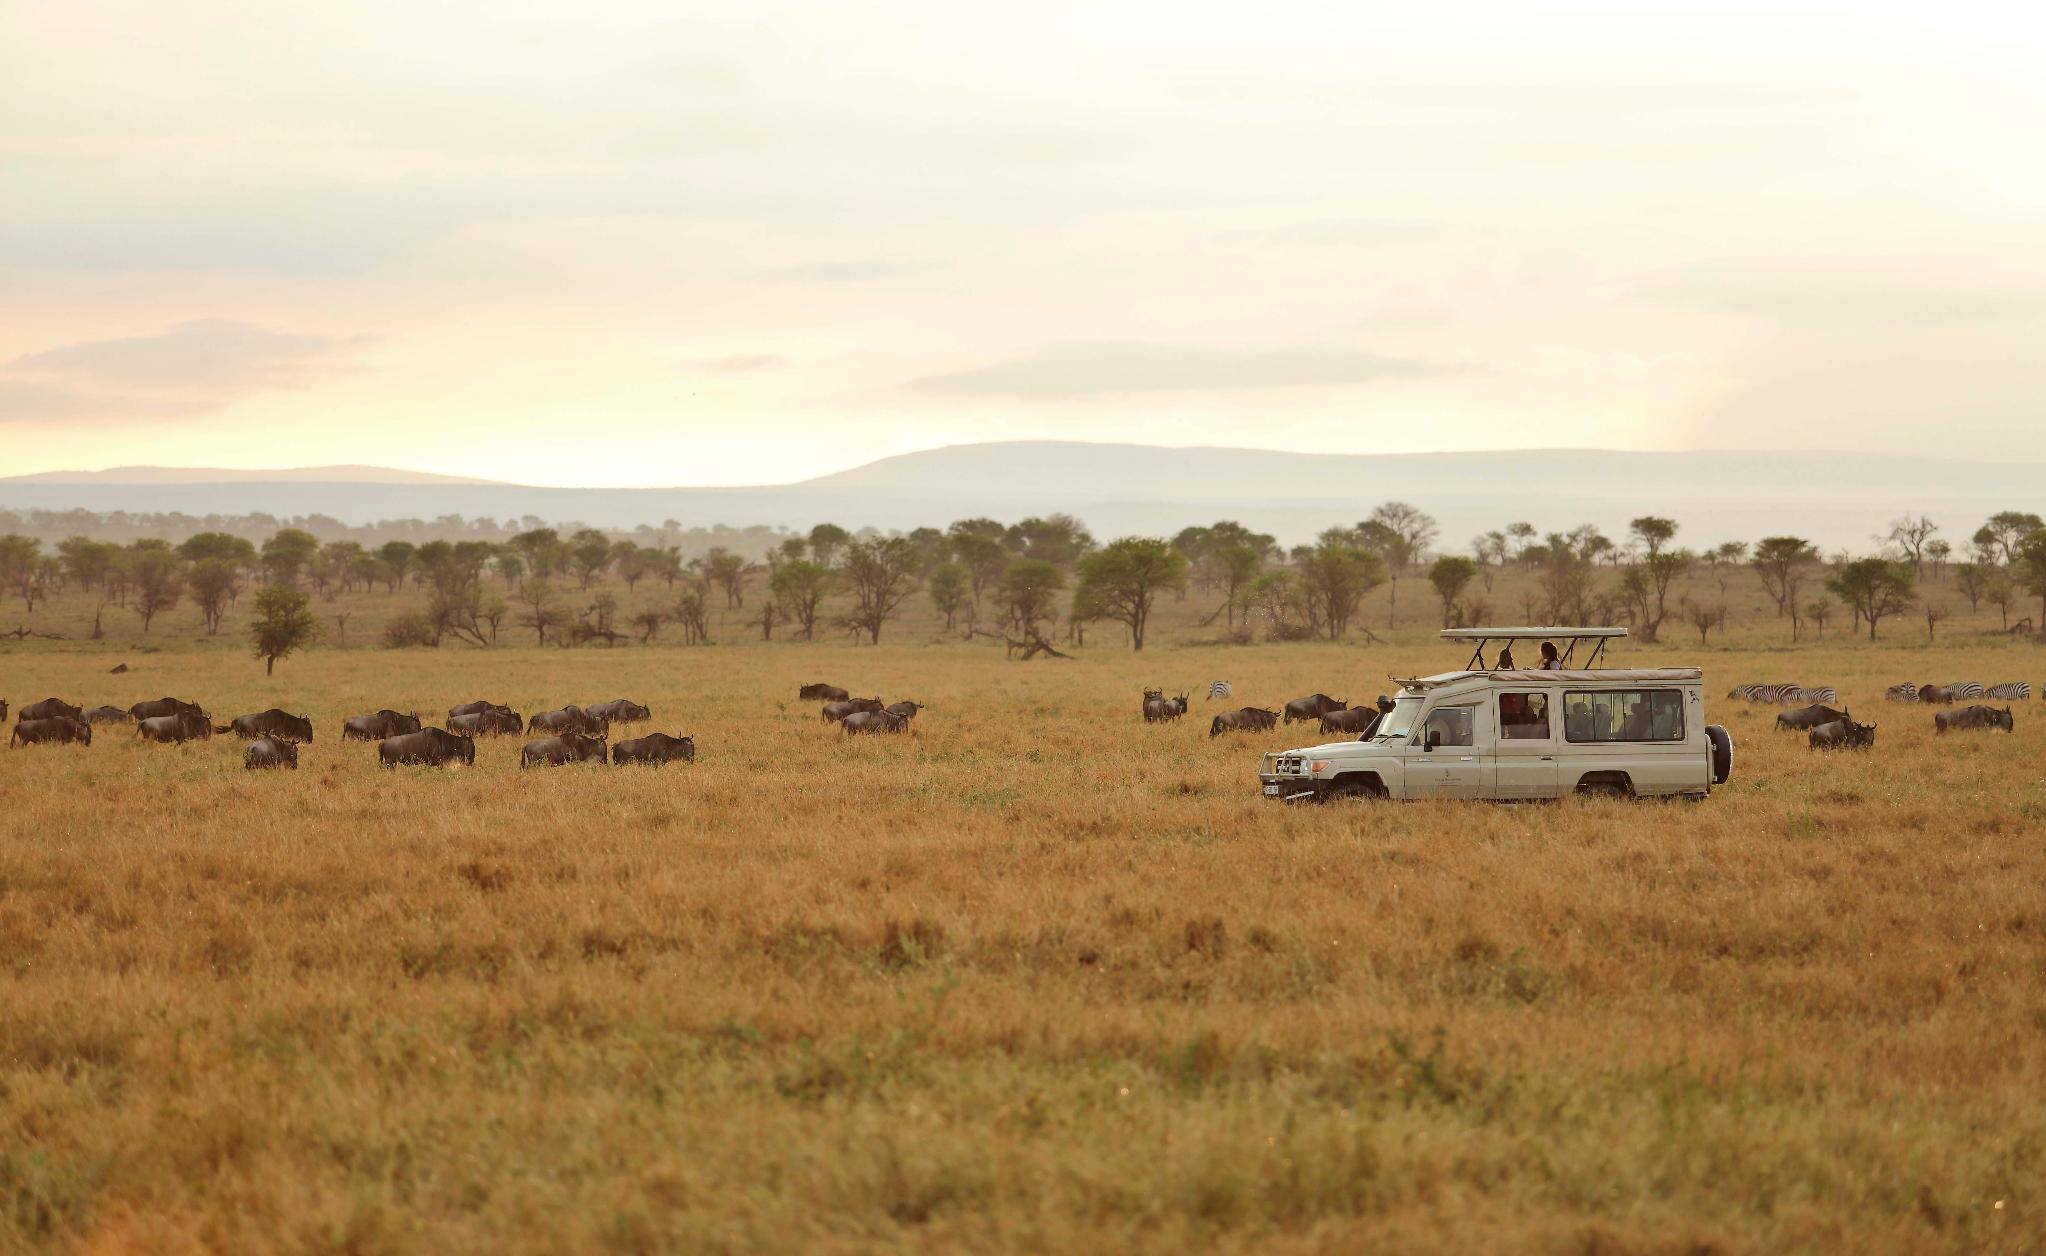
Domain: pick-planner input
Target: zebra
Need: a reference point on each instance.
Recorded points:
(1772, 693)
(1220, 689)
(1963, 690)
(1826, 694)
(2015, 691)
(1742, 692)
(1906, 692)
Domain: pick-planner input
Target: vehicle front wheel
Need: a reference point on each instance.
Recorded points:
(1353, 791)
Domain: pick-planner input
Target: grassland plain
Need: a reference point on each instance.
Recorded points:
(1036, 977)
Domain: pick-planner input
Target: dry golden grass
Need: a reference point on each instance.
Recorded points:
(1037, 977)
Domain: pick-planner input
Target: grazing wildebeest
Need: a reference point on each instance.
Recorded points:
(95, 715)
(1159, 709)
(1842, 735)
(655, 748)
(1243, 720)
(836, 711)
(277, 723)
(907, 710)
(822, 693)
(385, 723)
(875, 722)
(1357, 720)
(156, 707)
(1808, 717)
(564, 748)
(478, 707)
(619, 711)
(487, 722)
(61, 729)
(1974, 717)
(429, 746)
(174, 730)
(50, 709)
(270, 752)
(1313, 707)
(1950, 693)
(569, 719)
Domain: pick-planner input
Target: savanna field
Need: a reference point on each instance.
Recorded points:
(1036, 976)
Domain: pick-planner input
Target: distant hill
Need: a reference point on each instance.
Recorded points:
(1840, 500)
(235, 475)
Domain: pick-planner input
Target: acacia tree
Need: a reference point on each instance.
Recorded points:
(881, 572)
(213, 582)
(1782, 563)
(20, 567)
(153, 570)
(1335, 574)
(1997, 540)
(1029, 592)
(826, 539)
(947, 589)
(1123, 579)
(1451, 575)
(2030, 567)
(284, 623)
(799, 586)
(1911, 536)
(287, 553)
(1875, 588)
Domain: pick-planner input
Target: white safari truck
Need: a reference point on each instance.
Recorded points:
(1522, 733)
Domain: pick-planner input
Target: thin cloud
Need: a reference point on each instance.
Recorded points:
(26, 401)
(863, 271)
(1092, 368)
(742, 363)
(208, 355)
(1834, 297)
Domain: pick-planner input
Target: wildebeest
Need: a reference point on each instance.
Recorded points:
(655, 748)
(1159, 709)
(1245, 719)
(477, 707)
(156, 707)
(907, 710)
(275, 722)
(95, 715)
(50, 709)
(176, 729)
(1313, 707)
(1808, 717)
(61, 729)
(836, 711)
(875, 722)
(569, 719)
(270, 752)
(619, 711)
(1842, 735)
(487, 722)
(564, 748)
(1360, 720)
(385, 723)
(822, 693)
(1974, 717)
(1950, 693)
(429, 746)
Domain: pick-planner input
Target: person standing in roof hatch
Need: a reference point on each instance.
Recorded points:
(1505, 660)
(1550, 661)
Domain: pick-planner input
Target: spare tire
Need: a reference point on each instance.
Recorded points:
(1722, 753)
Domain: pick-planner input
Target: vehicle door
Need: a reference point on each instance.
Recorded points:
(1450, 765)
(1524, 756)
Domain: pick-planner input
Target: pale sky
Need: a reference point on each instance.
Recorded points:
(661, 243)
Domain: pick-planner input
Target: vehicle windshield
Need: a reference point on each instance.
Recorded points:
(1398, 723)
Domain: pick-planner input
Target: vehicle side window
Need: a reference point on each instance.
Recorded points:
(1449, 726)
(1624, 715)
(1524, 716)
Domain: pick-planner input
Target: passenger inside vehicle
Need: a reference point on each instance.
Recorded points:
(1524, 716)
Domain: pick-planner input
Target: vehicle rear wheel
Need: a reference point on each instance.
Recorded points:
(1605, 785)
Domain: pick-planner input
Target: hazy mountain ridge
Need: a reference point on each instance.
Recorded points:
(1838, 499)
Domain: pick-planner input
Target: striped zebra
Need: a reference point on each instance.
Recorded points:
(1819, 694)
(1773, 693)
(2015, 691)
(1220, 689)
(1963, 690)
(1906, 692)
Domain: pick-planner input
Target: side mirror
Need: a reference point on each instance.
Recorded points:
(1434, 740)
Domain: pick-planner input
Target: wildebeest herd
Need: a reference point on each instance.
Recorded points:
(576, 734)
(860, 715)
(1333, 715)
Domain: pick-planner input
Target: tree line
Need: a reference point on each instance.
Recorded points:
(1026, 581)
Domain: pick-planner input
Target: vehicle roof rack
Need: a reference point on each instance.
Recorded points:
(1481, 637)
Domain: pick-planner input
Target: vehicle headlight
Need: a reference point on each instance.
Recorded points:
(1318, 766)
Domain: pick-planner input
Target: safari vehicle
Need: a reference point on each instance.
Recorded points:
(1522, 733)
